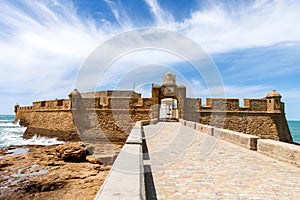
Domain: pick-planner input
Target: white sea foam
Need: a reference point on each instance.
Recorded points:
(9, 124)
(12, 134)
(45, 141)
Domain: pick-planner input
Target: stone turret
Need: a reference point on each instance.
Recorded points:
(75, 98)
(169, 79)
(16, 108)
(274, 101)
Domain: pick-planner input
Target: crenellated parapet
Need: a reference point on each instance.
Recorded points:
(261, 105)
(116, 111)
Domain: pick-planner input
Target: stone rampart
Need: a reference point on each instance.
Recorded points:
(48, 119)
(115, 112)
(261, 117)
(280, 150)
(69, 119)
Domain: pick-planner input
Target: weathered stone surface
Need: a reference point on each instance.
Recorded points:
(93, 159)
(244, 140)
(280, 150)
(42, 174)
(73, 152)
(116, 114)
(263, 125)
(45, 132)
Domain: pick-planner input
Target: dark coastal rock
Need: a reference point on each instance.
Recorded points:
(60, 135)
(23, 122)
(2, 152)
(47, 185)
(5, 163)
(72, 152)
(93, 159)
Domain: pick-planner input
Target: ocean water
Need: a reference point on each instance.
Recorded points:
(11, 134)
(295, 130)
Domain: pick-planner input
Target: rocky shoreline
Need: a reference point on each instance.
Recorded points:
(66, 171)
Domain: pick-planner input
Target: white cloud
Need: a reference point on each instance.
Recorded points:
(220, 27)
(162, 17)
(120, 14)
(43, 43)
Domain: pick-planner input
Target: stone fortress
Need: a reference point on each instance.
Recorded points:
(115, 113)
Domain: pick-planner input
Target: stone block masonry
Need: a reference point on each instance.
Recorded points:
(48, 122)
(279, 150)
(88, 118)
(115, 113)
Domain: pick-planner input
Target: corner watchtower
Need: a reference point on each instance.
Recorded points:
(274, 102)
(75, 98)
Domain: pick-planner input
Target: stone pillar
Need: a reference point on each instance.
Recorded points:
(155, 102)
(181, 104)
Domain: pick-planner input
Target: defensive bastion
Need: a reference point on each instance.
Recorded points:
(115, 113)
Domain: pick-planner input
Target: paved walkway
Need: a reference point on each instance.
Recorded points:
(182, 169)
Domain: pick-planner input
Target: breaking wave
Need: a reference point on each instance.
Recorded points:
(12, 134)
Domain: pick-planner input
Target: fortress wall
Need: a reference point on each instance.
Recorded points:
(49, 123)
(144, 103)
(255, 104)
(263, 125)
(117, 124)
(222, 104)
(192, 108)
(90, 102)
(121, 102)
(52, 104)
(55, 118)
(117, 111)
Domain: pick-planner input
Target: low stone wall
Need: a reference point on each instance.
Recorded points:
(182, 121)
(280, 150)
(190, 124)
(209, 130)
(241, 139)
(263, 125)
(126, 177)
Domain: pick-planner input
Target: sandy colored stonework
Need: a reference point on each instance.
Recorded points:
(53, 172)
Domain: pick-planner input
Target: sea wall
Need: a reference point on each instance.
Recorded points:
(88, 119)
(256, 116)
(263, 125)
(116, 124)
(48, 118)
(115, 112)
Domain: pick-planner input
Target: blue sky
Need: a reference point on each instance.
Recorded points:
(255, 45)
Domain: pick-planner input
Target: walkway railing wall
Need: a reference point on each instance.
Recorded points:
(279, 150)
(126, 177)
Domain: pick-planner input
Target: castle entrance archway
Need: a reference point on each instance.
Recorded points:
(169, 99)
(168, 109)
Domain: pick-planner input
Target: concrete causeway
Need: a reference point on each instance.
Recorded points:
(187, 164)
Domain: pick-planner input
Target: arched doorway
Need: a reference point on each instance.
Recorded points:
(167, 96)
(168, 109)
